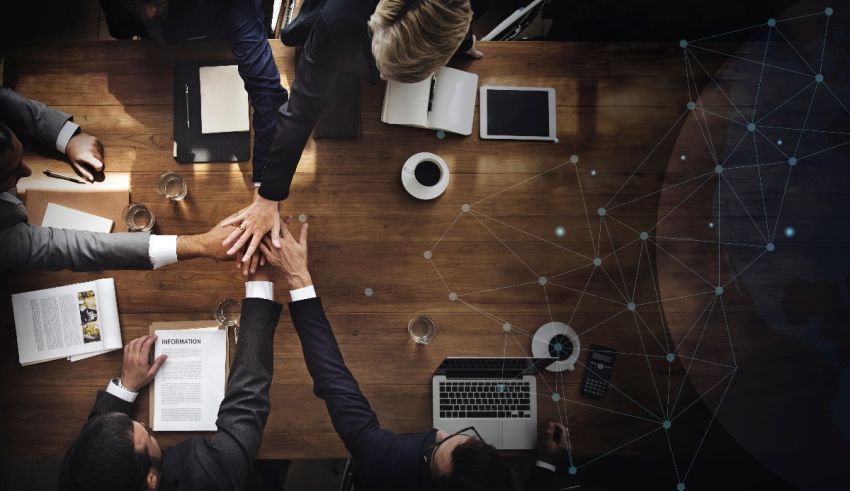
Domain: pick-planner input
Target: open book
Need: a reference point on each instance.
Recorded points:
(445, 101)
(67, 321)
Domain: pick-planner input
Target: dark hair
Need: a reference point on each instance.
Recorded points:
(104, 457)
(477, 466)
(5, 137)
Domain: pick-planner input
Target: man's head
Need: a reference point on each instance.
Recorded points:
(411, 39)
(12, 166)
(145, 9)
(461, 462)
(112, 452)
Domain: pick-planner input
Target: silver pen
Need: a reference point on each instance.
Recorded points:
(57, 175)
(187, 105)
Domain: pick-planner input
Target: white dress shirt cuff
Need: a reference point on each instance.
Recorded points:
(121, 392)
(545, 465)
(162, 250)
(257, 184)
(303, 293)
(65, 134)
(259, 289)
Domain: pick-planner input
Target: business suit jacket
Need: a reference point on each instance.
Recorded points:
(335, 38)
(382, 460)
(24, 246)
(238, 22)
(224, 460)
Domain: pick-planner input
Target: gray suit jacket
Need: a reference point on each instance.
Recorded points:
(24, 246)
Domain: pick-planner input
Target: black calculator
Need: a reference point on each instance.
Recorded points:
(597, 371)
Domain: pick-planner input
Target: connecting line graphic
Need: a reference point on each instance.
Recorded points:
(587, 280)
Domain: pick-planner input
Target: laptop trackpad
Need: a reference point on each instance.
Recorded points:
(491, 431)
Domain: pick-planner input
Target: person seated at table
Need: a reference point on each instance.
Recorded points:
(401, 40)
(240, 23)
(115, 452)
(382, 459)
(26, 246)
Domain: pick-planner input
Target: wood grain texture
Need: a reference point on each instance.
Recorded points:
(615, 103)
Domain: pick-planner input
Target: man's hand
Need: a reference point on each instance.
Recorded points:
(137, 371)
(259, 270)
(291, 258)
(254, 223)
(553, 444)
(473, 51)
(209, 244)
(85, 154)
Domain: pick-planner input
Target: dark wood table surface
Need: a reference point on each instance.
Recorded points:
(615, 102)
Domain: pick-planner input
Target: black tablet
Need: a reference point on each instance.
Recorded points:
(517, 113)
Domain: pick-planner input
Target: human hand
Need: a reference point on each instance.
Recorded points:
(259, 269)
(137, 371)
(254, 222)
(291, 258)
(550, 449)
(85, 153)
(473, 51)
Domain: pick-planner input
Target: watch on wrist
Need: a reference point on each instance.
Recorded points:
(117, 381)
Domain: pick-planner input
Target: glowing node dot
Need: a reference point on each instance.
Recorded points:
(670, 357)
(692, 105)
(452, 296)
(828, 11)
(710, 224)
(428, 254)
(557, 347)
(719, 290)
(819, 78)
(441, 134)
(506, 327)
(465, 208)
(631, 306)
(601, 212)
(644, 236)
(792, 161)
(771, 22)
(779, 142)
(790, 232)
(683, 158)
(667, 424)
(556, 397)
(574, 159)
(302, 218)
(500, 387)
(593, 172)
(368, 292)
(542, 280)
(597, 261)
(680, 486)
(572, 470)
(718, 169)
(560, 231)
(751, 127)
(683, 43)
(770, 247)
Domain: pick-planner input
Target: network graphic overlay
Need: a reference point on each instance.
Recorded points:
(745, 143)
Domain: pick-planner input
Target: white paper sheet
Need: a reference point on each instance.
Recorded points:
(58, 216)
(224, 101)
(189, 387)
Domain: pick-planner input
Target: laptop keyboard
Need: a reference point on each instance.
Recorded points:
(485, 399)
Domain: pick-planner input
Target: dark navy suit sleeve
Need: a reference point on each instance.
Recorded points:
(257, 67)
(382, 459)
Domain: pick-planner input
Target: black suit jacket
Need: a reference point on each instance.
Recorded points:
(224, 460)
(382, 460)
(335, 38)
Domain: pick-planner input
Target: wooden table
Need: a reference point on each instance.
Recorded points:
(614, 104)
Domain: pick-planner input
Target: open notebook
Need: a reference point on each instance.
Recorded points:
(444, 101)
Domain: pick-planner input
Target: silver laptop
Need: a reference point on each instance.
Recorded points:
(498, 396)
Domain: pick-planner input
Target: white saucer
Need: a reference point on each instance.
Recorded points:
(540, 345)
(412, 186)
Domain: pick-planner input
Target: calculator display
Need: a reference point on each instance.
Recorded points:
(601, 357)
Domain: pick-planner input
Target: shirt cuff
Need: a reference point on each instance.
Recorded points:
(257, 184)
(545, 465)
(259, 289)
(121, 392)
(303, 293)
(162, 250)
(69, 130)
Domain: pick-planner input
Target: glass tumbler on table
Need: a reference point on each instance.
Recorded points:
(422, 329)
(138, 217)
(171, 185)
(227, 313)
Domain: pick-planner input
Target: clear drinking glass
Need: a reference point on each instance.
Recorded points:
(138, 217)
(171, 185)
(227, 312)
(422, 329)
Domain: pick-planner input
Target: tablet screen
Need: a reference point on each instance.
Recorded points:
(518, 112)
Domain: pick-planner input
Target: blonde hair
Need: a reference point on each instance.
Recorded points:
(413, 38)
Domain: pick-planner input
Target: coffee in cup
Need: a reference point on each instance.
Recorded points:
(428, 173)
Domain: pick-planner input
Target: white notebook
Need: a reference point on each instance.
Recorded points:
(58, 216)
(444, 101)
(224, 101)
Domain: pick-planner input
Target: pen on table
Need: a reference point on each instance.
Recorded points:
(187, 105)
(57, 175)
